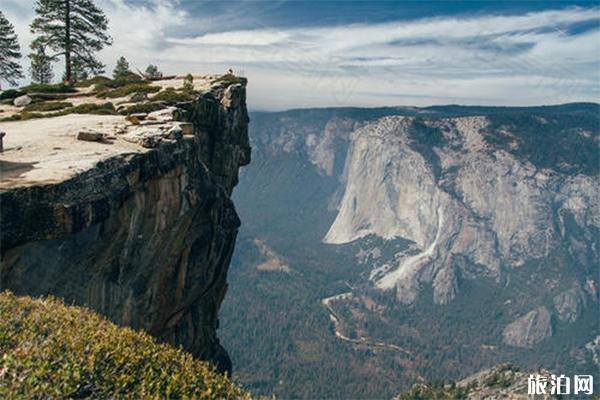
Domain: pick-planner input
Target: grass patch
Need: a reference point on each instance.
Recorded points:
(128, 89)
(47, 106)
(172, 96)
(51, 350)
(142, 108)
(46, 88)
(230, 78)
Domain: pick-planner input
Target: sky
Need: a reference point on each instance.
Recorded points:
(299, 54)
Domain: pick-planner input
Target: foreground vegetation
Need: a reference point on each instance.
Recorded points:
(51, 350)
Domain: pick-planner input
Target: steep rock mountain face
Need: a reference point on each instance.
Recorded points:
(420, 244)
(470, 208)
(143, 238)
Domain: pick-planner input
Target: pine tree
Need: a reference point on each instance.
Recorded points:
(10, 70)
(152, 71)
(75, 29)
(41, 66)
(121, 69)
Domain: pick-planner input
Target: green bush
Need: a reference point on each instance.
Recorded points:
(51, 350)
(14, 117)
(128, 89)
(143, 108)
(10, 94)
(171, 96)
(117, 83)
(188, 83)
(99, 79)
(47, 106)
(231, 78)
(48, 88)
(91, 108)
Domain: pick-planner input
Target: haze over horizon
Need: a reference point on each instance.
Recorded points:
(331, 54)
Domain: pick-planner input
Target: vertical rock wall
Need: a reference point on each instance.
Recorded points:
(143, 238)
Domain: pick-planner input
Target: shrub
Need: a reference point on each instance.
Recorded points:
(230, 78)
(47, 106)
(48, 88)
(143, 108)
(10, 94)
(99, 79)
(188, 83)
(171, 96)
(14, 117)
(23, 116)
(51, 350)
(128, 89)
(91, 108)
(117, 83)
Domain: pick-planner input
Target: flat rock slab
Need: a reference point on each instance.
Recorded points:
(45, 151)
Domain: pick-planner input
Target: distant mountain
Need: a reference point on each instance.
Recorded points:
(418, 244)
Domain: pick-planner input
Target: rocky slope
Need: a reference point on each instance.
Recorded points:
(144, 232)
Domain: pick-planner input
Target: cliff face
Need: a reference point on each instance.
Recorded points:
(469, 207)
(143, 237)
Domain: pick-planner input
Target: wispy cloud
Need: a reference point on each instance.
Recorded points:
(539, 57)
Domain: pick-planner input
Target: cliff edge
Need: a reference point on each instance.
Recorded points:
(130, 216)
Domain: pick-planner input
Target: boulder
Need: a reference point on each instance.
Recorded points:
(139, 116)
(90, 136)
(22, 101)
(166, 114)
(138, 97)
(175, 133)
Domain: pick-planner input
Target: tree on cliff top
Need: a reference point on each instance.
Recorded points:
(41, 66)
(75, 29)
(152, 71)
(10, 70)
(121, 69)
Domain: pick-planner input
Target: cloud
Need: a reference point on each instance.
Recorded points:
(533, 58)
(236, 38)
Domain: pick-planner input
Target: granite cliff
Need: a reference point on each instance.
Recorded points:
(139, 226)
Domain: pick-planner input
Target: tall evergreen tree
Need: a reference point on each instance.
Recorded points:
(121, 69)
(41, 66)
(10, 51)
(75, 29)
